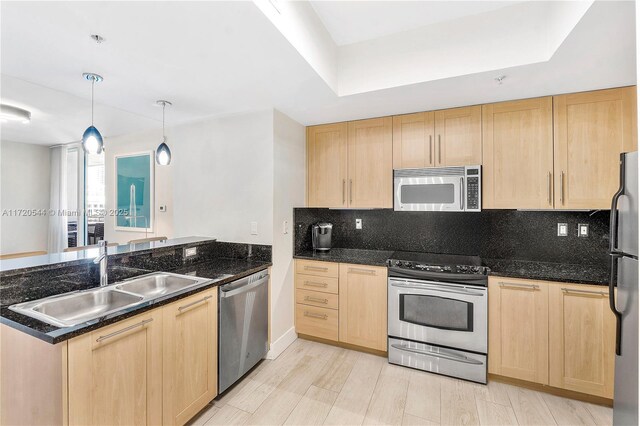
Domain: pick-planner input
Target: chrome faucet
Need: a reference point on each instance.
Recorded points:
(102, 260)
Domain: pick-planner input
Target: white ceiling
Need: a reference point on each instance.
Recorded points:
(219, 58)
(355, 21)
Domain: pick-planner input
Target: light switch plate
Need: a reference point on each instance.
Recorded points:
(254, 228)
(358, 223)
(163, 208)
(583, 230)
(563, 230)
(285, 227)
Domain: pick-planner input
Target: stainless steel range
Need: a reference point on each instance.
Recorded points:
(438, 314)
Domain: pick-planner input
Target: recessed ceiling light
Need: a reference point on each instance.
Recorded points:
(11, 113)
(97, 38)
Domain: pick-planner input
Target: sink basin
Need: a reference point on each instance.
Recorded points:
(77, 308)
(156, 285)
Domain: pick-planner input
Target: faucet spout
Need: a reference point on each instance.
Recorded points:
(102, 259)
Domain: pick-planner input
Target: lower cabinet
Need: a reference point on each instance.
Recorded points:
(581, 339)
(115, 373)
(552, 333)
(189, 352)
(363, 306)
(342, 302)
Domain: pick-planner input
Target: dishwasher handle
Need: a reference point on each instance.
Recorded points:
(243, 285)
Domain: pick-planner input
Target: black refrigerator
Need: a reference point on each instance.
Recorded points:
(624, 304)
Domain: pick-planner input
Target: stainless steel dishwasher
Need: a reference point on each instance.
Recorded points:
(242, 327)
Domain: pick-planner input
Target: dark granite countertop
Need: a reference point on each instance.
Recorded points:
(343, 255)
(233, 269)
(548, 271)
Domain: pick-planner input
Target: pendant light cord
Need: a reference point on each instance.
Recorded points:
(164, 105)
(93, 83)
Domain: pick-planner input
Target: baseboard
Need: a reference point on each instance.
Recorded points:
(343, 345)
(282, 343)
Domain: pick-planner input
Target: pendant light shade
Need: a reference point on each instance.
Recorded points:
(92, 139)
(163, 153)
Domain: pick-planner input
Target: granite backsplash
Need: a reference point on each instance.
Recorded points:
(491, 234)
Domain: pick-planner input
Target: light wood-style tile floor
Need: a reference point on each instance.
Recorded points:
(314, 384)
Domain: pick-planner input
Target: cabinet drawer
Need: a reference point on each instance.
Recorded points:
(314, 298)
(319, 269)
(318, 322)
(313, 283)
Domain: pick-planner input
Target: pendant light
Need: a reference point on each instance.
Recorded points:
(163, 153)
(92, 139)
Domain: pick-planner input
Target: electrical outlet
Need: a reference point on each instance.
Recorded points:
(358, 223)
(583, 230)
(254, 228)
(285, 227)
(190, 251)
(563, 230)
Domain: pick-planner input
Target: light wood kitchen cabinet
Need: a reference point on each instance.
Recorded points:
(115, 373)
(458, 136)
(591, 129)
(517, 154)
(450, 137)
(519, 329)
(327, 165)
(189, 352)
(370, 170)
(363, 306)
(413, 136)
(581, 339)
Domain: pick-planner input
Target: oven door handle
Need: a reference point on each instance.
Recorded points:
(449, 356)
(441, 290)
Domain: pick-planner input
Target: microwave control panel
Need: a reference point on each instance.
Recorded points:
(473, 188)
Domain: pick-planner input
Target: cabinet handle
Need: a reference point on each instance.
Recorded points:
(314, 315)
(315, 284)
(344, 184)
(573, 290)
(315, 268)
(188, 305)
(562, 188)
(362, 271)
(439, 151)
(549, 187)
(350, 191)
(316, 299)
(519, 285)
(124, 330)
(430, 150)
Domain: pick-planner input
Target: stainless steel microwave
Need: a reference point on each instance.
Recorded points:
(445, 189)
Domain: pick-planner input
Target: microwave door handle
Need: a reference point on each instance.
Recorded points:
(461, 193)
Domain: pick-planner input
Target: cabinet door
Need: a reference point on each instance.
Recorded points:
(370, 163)
(327, 165)
(581, 339)
(517, 155)
(190, 355)
(591, 129)
(363, 306)
(458, 134)
(519, 329)
(413, 138)
(115, 373)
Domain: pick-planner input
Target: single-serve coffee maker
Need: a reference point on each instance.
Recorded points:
(321, 236)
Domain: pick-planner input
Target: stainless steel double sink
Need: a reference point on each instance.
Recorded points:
(69, 309)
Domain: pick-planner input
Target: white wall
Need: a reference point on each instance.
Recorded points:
(24, 184)
(223, 177)
(289, 176)
(129, 144)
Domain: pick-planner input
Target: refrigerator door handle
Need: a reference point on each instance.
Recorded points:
(612, 301)
(613, 215)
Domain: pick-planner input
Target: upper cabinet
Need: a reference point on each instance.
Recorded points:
(518, 154)
(413, 136)
(591, 129)
(458, 136)
(370, 168)
(327, 165)
(451, 137)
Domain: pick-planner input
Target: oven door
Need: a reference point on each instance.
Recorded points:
(429, 193)
(453, 315)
